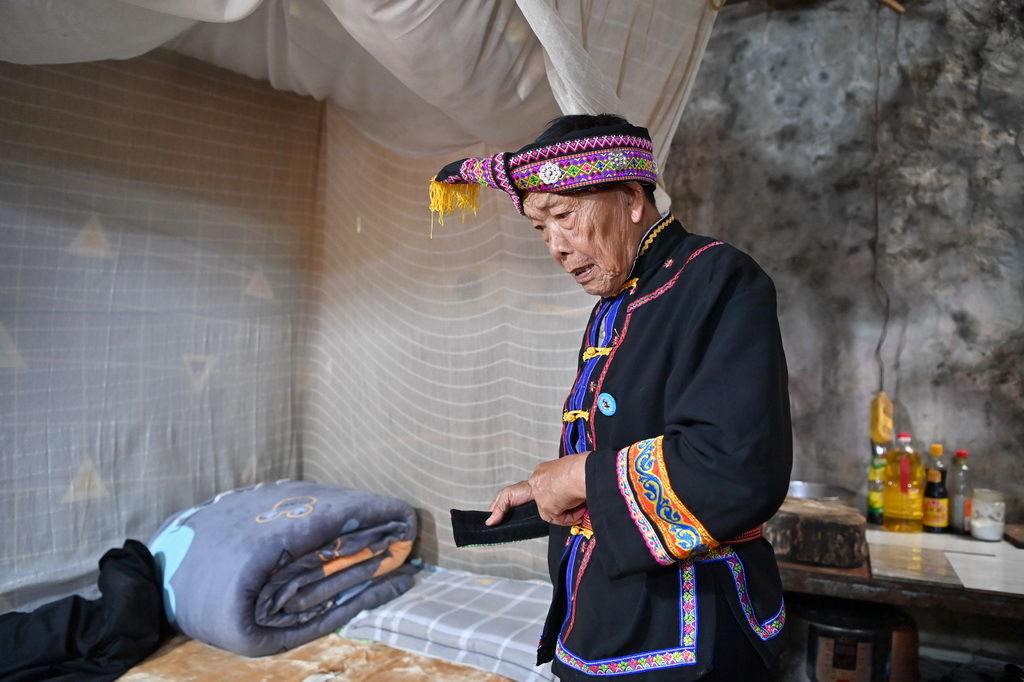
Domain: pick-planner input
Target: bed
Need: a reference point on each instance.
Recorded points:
(451, 626)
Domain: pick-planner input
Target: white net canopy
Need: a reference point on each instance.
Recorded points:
(360, 350)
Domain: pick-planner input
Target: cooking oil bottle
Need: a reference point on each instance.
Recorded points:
(903, 499)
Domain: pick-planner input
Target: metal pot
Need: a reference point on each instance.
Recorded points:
(821, 492)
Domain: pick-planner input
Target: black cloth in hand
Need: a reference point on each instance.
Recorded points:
(520, 523)
(80, 639)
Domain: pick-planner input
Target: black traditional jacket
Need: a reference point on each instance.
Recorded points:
(682, 399)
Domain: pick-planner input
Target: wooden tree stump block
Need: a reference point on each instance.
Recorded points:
(1014, 534)
(819, 533)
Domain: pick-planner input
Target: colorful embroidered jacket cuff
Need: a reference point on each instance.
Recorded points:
(670, 531)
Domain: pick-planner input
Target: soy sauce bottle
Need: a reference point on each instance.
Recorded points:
(936, 497)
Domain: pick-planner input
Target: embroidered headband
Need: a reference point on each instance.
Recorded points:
(581, 159)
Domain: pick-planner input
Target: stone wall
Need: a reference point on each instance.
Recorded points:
(873, 163)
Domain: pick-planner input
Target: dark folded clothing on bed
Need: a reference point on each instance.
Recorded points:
(268, 568)
(76, 638)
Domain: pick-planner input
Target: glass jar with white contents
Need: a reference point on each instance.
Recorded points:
(988, 514)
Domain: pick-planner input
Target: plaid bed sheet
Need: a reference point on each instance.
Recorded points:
(482, 621)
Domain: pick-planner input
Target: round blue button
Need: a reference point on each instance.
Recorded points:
(606, 403)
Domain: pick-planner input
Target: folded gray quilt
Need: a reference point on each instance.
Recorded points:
(264, 569)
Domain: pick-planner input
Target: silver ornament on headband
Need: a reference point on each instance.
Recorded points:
(549, 173)
(616, 160)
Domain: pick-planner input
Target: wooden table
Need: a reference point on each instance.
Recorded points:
(857, 583)
(938, 584)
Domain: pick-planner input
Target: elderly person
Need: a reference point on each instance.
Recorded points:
(676, 443)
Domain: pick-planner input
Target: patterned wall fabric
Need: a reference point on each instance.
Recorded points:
(156, 217)
(207, 283)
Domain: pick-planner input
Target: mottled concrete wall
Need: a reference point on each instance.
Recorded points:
(843, 145)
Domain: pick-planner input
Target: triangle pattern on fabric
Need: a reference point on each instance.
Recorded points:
(199, 368)
(10, 358)
(91, 240)
(86, 485)
(259, 287)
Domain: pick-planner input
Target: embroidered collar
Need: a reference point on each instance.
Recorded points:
(656, 236)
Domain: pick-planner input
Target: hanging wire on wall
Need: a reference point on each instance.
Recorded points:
(880, 291)
(881, 294)
(903, 328)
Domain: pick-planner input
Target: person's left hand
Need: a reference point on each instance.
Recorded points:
(510, 496)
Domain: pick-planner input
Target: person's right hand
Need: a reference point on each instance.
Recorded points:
(510, 496)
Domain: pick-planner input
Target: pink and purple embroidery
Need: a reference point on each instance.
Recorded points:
(562, 167)
(686, 652)
(566, 166)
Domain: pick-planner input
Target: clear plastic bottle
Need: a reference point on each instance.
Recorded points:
(881, 437)
(876, 484)
(959, 486)
(903, 499)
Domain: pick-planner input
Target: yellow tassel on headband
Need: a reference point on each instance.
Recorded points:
(445, 198)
